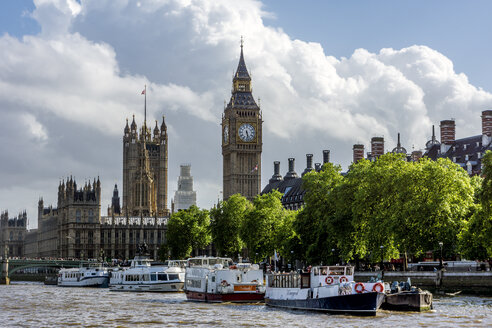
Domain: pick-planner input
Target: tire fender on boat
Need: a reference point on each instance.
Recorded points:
(378, 287)
(329, 280)
(359, 287)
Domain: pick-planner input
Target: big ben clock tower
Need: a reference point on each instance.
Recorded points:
(241, 138)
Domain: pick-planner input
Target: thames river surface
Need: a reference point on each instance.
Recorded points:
(37, 305)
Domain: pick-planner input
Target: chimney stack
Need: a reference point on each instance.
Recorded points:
(377, 147)
(487, 122)
(448, 132)
(309, 164)
(326, 156)
(292, 173)
(358, 152)
(276, 172)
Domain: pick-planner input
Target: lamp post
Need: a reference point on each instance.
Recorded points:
(382, 257)
(440, 260)
(292, 260)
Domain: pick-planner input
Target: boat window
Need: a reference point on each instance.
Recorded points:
(316, 271)
(350, 271)
(337, 271)
(145, 277)
(162, 277)
(212, 262)
(153, 277)
(213, 278)
(173, 277)
(323, 271)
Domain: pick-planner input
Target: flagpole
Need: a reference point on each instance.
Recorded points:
(145, 107)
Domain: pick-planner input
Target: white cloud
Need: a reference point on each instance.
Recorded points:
(36, 129)
(79, 79)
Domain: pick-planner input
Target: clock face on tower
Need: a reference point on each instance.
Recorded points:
(246, 132)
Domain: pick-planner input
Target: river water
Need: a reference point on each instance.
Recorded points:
(37, 305)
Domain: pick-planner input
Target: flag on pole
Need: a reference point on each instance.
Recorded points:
(143, 92)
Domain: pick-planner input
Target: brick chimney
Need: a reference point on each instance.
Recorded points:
(486, 127)
(377, 147)
(448, 134)
(358, 152)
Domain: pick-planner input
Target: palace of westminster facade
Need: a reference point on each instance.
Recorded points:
(75, 227)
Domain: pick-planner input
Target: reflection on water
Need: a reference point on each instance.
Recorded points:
(36, 305)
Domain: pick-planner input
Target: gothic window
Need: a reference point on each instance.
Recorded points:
(78, 216)
(20, 236)
(91, 216)
(90, 238)
(11, 235)
(77, 238)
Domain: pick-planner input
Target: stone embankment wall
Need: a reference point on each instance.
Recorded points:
(440, 281)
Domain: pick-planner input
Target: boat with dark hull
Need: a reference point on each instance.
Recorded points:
(327, 289)
(361, 304)
(404, 297)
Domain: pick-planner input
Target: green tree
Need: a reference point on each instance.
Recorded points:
(225, 224)
(188, 230)
(260, 226)
(315, 238)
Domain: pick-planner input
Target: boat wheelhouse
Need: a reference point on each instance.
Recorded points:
(142, 276)
(218, 279)
(324, 288)
(94, 275)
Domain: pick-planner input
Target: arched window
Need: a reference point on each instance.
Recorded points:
(91, 216)
(78, 216)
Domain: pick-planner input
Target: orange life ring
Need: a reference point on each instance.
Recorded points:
(343, 279)
(361, 289)
(329, 280)
(378, 287)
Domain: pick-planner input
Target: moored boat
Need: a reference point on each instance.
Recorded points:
(404, 297)
(93, 275)
(142, 276)
(325, 288)
(217, 279)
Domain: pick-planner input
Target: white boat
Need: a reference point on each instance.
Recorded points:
(94, 275)
(142, 276)
(324, 288)
(217, 279)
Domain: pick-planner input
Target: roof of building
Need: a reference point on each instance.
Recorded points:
(466, 152)
(242, 71)
(243, 100)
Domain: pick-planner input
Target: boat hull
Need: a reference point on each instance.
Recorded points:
(228, 297)
(101, 282)
(360, 304)
(156, 288)
(408, 301)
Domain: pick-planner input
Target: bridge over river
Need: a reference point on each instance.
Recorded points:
(33, 269)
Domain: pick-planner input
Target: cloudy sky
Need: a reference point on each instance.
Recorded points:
(329, 74)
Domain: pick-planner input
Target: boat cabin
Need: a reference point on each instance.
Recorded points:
(317, 277)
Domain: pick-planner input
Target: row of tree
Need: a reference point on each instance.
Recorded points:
(379, 209)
